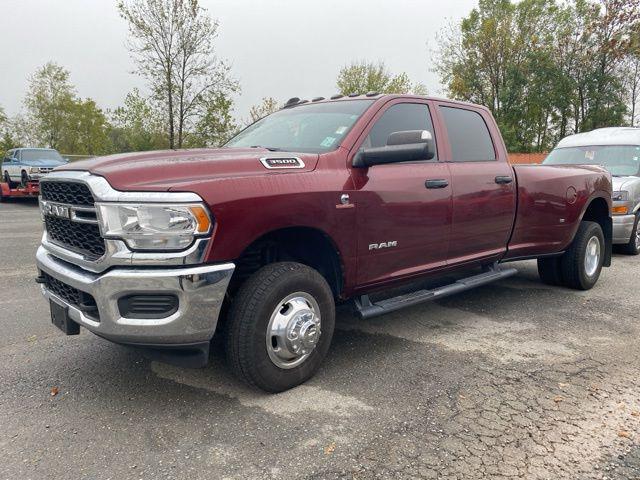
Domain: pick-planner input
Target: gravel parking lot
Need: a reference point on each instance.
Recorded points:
(515, 379)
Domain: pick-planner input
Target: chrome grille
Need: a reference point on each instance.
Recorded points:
(70, 218)
(67, 192)
(82, 237)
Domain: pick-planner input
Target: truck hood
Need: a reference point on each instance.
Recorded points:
(165, 170)
(620, 182)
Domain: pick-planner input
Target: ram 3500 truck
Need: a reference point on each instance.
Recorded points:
(318, 203)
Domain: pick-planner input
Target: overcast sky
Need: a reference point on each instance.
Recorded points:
(279, 48)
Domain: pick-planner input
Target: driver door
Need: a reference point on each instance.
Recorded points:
(403, 221)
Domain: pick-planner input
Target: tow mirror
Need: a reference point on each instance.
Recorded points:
(405, 146)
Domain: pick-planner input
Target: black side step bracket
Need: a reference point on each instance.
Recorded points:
(367, 309)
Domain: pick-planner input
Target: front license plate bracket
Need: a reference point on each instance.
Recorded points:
(60, 318)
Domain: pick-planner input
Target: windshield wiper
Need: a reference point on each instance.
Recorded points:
(271, 149)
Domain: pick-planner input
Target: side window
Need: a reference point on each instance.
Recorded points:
(398, 118)
(468, 135)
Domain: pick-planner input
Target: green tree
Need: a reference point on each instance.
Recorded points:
(362, 77)
(632, 66)
(49, 100)
(57, 118)
(215, 122)
(172, 42)
(137, 126)
(8, 137)
(609, 42)
(268, 106)
(86, 130)
(545, 69)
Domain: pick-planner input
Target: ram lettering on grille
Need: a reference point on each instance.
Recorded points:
(70, 222)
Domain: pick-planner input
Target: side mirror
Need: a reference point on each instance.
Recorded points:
(409, 136)
(406, 146)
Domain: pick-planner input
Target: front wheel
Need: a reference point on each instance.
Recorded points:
(633, 247)
(582, 263)
(280, 326)
(7, 179)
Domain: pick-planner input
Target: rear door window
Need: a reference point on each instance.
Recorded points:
(469, 136)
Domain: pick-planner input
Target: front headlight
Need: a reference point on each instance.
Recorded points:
(34, 170)
(154, 226)
(621, 196)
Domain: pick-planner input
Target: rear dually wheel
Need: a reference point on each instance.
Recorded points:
(582, 263)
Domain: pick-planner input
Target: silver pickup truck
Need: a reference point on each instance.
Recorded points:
(21, 165)
(618, 150)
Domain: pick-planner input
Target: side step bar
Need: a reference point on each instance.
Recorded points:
(366, 309)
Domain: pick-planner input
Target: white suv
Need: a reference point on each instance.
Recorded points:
(22, 165)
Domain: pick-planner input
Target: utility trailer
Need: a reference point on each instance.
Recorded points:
(31, 189)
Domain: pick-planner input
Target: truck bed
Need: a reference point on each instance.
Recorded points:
(551, 201)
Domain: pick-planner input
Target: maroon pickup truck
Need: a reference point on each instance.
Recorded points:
(384, 200)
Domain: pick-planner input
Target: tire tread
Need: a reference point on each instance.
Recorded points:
(571, 264)
(630, 248)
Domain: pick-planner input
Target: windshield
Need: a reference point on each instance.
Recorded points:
(620, 160)
(309, 128)
(27, 155)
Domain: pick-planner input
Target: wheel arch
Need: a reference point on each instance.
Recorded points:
(307, 245)
(598, 210)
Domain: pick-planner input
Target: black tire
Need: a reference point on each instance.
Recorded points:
(550, 271)
(572, 263)
(7, 179)
(633, 247)
(248, 320)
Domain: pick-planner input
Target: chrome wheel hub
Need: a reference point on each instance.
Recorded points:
(638, 237)
(592, 256)
(294, 330)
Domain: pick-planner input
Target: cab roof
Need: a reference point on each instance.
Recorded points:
(295, 101)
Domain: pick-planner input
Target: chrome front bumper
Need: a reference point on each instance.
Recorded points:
(200, 291)
(622, 228)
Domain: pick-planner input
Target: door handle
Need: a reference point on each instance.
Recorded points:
(436, 183)
(503, 179)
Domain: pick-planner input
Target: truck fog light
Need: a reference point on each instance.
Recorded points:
(150, 306)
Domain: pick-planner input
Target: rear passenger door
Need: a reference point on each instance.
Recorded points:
(483, 185)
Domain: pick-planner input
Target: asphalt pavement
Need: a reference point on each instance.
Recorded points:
(511, 380)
